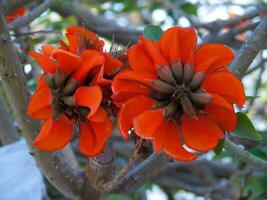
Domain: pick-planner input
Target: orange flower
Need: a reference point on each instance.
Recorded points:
(15, 14)
(69, 95)
(176, 95)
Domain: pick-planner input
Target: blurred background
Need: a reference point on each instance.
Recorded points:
(229, 22)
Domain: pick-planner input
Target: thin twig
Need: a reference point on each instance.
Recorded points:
(219, 24)
(35, 32)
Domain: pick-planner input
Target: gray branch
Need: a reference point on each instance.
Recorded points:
(11, 5)
(25, 20)
(8, 133)
(250, 49)
(141, 173)
(104, 27)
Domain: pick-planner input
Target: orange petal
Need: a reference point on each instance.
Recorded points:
(221, 55)
(123, 86)
(48, 49)
(200, 134)
(41, 83)
(226, 85)
(77, 37)
(139, 59)
(102, 131)
(99, 116)
(87, 139)
(188, 38)
(89, 97)
(99, 78)
(132, 108)
(153, 51)
(54, 134)
(173, 146)
(222, 113)
(40, 104)
(147, 122)
(122, 97)
(178, 43)
(63, 45)
(91, 59)
(171, 50)
(138, 76)
(111, 64)
(47, 64)
(68, 62)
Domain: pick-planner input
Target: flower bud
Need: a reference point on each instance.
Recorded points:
(161, 86)
(165, 74)
(177, 70)
(200, 98)
(188, 72)
(170, 110)
(197, 80)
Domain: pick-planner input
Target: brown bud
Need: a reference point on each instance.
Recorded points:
(170, 109)
(177, 70)
(49, 80)
(162, 87)
(165, 74)
(160, 104)
(188, 72)
(200, 98)
(60, 78)
(70, 87)
(56, 110)
(188, 107)
(157, 95)
(197, 80)
(69, 101)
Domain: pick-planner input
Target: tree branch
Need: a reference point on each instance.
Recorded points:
(9, 133)
(54, 166)
(25, 20)
(219, 24)
(104, 27)
(141, 173)
(244, 155)
(250, 49)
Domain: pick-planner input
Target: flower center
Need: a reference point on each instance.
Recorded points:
(177, 90)
(63, 101)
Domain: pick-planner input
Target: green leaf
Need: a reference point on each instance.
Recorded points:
(189, 8)
(251, 97)
(152, 32)
(117, 197)
(245, 128)
(218, 149)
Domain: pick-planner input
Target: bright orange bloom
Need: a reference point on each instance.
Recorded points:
(15, 14)
(70, 96)
(176, 95)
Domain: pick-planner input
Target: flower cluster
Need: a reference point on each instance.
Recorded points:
(71, 96)
(176, 95)
(172, 93)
